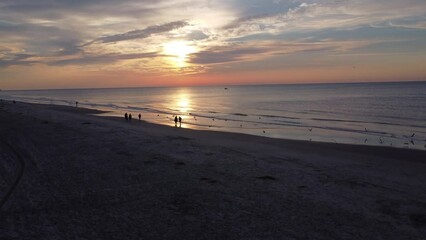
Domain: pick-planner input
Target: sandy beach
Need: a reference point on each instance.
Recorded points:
(69, 174)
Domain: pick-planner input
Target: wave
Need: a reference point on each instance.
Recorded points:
(239, 114)
(275, 116)
(366, 122)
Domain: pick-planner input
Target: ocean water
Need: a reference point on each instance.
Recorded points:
(383, 114)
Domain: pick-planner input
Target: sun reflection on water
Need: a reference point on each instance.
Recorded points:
(182, 102)
(181, 105)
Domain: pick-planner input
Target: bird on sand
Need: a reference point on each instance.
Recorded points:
(412, 135)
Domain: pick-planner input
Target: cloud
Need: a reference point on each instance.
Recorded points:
(323, 15)
(264, 49)
(78, 32)
(102, 59)
(11, 59)
(140, 34)
(224, 54)
(196, 35)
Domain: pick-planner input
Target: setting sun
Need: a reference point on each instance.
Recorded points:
(178, 51)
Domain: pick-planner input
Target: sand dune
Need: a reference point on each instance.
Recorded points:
(91, 177)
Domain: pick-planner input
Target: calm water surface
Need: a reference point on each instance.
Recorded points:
(386, 114)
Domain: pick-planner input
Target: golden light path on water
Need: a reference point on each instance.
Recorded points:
(182, 105)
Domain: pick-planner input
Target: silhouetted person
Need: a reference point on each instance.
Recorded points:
(126, 116)
(176, 120)
(139, 116)
(76, 103)
(130, 116)
(180, 121)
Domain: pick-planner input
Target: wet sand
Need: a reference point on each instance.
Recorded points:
(91, 177)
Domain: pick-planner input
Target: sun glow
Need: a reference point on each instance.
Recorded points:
(178, 52)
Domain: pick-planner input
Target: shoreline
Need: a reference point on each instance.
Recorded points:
(89, 176)
(104, 114)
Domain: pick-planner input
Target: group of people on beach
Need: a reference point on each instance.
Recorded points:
(178, 119)
(129, 116)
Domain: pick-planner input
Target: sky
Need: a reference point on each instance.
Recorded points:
(47, 44)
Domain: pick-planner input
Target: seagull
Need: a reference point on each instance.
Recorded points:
(264, 131)
(310, 129)
(412, 135)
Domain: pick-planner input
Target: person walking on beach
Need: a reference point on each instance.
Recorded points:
(180, 121)
(139, 116)
(76, 103)
(176, 120)
(126, 116)
(130, 116)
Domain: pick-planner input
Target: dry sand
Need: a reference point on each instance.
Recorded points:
(91, 177)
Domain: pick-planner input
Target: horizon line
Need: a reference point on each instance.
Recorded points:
(218, 85)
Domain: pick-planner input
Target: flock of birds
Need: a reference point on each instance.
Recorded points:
(409, 138)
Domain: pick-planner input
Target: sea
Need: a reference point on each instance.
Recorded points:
(378, 114)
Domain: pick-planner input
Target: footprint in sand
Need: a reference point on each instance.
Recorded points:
(267, 178)
(418, 219)
(208, 180)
